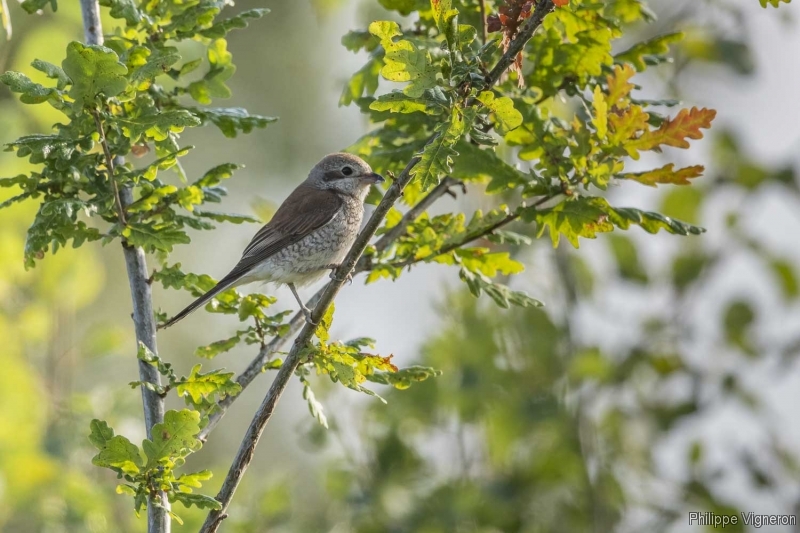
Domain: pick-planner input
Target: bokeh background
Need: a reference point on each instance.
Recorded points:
(661, 378)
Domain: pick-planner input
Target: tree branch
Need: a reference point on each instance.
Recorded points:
(543, 7)
(110, 166)
(247, 448)
(257, 364)
(158, 520)
(411, 215)
(255, 367)
(511, 217)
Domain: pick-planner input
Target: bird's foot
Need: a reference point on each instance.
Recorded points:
(348, 278)
(307, 314)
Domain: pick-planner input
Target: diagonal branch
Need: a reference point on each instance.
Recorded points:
(247, 448)
(411, 215)
(508, 219)
(257, 364)
(256, 367)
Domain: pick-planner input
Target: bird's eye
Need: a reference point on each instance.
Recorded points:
(347, 171)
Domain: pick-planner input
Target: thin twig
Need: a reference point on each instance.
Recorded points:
(523, 36)
(411, 215)
(256, 367)
(109, 166)
(508, 219)
(248, 445)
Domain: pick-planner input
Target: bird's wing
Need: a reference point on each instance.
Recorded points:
(303, 212)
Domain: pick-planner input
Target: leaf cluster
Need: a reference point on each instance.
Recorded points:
(450, 116)
(122, 99)
(152, 468)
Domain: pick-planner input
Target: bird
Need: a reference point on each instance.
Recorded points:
(310, 233)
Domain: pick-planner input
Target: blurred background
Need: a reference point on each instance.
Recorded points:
(661, 378)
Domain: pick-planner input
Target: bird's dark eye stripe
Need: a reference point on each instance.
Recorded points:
(347, 171)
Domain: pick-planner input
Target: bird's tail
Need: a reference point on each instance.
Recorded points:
(224, 283)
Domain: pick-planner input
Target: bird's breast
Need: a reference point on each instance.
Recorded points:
(306, 260)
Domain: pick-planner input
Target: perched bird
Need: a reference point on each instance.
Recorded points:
(311, 232)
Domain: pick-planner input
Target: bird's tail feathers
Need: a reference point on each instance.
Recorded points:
(224, 283)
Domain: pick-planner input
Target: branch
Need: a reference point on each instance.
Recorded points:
(523, 36)
(511, 217)
(110, 166)
(257, 364)
(256, 367)
(247, 448)
(411, 215)
(158, 520)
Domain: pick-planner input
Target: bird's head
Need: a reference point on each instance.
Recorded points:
(343, 173)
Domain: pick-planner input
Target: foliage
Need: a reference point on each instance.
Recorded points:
(549, 139)
(114, 100)
(348, 364)
(153, 467)
(451, 119)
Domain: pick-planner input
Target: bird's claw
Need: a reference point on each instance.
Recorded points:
(348, 278)
(307, 314)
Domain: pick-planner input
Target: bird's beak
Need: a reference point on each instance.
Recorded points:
(372, 177)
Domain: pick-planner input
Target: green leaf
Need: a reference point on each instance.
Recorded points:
(100, 433)
(506, 116)
(446, 18)
(587, 216)
(437, 156)
(665, 175)
(173, 439)
(363, 82)
(314, 406)
(32, 6)
(40, 148)
(171, 277)
(650, 52)
(322, 332)
(399, 102)
(152, 237)
(784, 271)
(221, 28)
(215, 348)
(405, 377)
(404, 7)
(474, 163)
(355, 40)
(203, 387)
(93, 70)
(156, 63)
(201, 501)
(231, 120)
(32, 93)
(502, 295)
(623, 217)
(124, 9)
(119, 454)
(157, 126)
(627, 257)
(116, 452)
(53, 72)
(582, 217)
(773, 3)
(403, 60)
(213, 83)
(226, 217)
